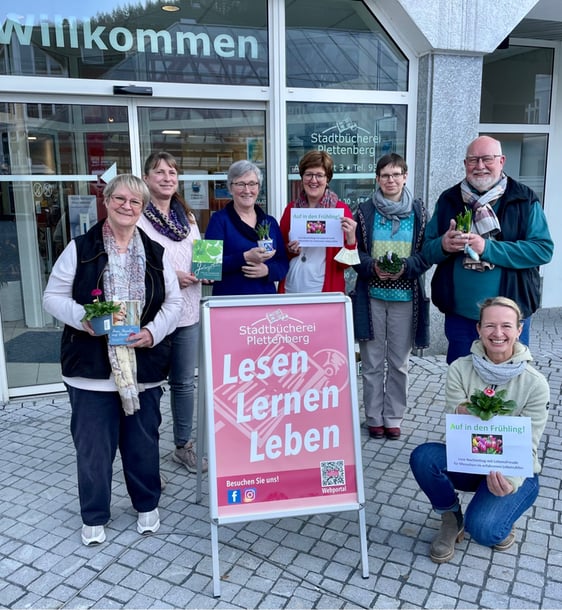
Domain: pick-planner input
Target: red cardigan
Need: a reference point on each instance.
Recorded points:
(334, 280)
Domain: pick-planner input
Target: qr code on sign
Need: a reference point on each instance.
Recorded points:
(333, 473)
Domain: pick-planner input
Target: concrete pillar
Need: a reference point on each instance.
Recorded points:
(448, 116)
(450, 38)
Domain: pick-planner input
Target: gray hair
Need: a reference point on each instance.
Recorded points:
(488, 139)
(239, 168)
(134, 184)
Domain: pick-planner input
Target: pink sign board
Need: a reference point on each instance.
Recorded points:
(281, 413)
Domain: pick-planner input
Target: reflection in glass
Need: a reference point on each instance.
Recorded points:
(355, 135)
(525, 158)
(208, 41)
(51, 162)
(205, 141)
(338, 44)
(517, 86)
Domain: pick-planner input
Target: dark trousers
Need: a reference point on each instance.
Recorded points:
(99, 426)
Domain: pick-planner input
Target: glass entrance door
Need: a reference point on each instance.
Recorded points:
(52, 160)
(55, 161)
(205, 142)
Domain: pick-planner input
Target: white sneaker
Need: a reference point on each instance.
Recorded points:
(93, 534)
(148, 522)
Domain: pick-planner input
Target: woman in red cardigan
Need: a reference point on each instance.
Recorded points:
(316, 268)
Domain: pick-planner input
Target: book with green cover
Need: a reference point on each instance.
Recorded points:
(206, 263)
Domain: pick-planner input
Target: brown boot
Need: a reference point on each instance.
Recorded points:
(452, 530)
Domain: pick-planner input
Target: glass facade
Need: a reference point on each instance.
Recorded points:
(517, 92)
(213, 99)
(526, 155)
(338, 45)
(355, 135)
(220, 42)
(517, 85)
(205, 143)
(52, 158)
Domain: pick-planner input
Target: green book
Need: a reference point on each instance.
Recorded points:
(206, 263)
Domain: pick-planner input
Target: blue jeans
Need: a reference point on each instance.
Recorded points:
(185, 353)
(461, 332)
(488, 518)
(99, 425)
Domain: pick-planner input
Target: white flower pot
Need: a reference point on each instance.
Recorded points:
(266, 244)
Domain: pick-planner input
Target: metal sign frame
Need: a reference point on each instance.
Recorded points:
(216, 416)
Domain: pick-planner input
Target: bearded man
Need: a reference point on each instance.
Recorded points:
(499, 255)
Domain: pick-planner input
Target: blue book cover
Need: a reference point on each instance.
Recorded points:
(125, 322)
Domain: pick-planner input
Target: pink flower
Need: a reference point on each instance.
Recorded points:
(489, 392)
(96, 292)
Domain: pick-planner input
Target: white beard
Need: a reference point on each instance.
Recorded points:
(482, 183)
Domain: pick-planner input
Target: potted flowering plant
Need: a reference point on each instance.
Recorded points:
(390, 262)
(487, 402)
(264, 239)
(98, 313)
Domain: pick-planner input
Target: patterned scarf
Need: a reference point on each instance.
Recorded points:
(393, 210)
(175, 226)
(496, 374)
(329, 200)
(123, 280)
(484, 219)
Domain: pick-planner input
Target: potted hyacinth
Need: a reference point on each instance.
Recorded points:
(464, 224)
(264, 239)
(98, 313)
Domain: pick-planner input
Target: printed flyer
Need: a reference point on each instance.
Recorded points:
(206, 262)
(503, 443)
(283, 426)
(317, 227)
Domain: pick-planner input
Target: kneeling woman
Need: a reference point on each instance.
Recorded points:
(497, 361)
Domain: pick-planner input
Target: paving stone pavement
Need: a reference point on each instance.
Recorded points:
(303, 562)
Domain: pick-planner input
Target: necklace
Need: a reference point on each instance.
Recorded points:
(303, 256)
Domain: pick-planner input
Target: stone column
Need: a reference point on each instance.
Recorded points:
(450, 38)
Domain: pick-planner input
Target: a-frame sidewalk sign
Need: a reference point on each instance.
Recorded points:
(278, 399)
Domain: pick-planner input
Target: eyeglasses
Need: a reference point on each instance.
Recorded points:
(120, 200)
(243, 185)
(486, 159)
(394, 176)
(310, 175)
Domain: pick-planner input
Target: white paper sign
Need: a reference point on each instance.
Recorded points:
(503, 443)
(317, 227)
